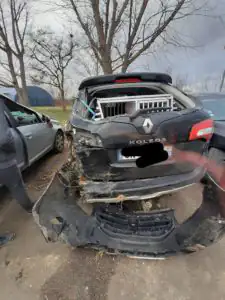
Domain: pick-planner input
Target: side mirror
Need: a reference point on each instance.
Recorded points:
(47, 120)
(43, 118)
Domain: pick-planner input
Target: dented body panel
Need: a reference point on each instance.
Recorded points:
(60, 216)
(107, 177)
(136, 190)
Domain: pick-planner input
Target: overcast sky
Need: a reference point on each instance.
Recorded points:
(209, 60)
(206, 61)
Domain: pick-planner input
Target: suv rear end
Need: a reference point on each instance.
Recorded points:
(106, 202)
(104, 123)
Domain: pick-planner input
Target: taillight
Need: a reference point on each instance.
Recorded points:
(202, 130)
(127, 80)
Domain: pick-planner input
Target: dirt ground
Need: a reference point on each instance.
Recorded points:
(32, 269)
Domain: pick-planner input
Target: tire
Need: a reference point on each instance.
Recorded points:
(59, 142)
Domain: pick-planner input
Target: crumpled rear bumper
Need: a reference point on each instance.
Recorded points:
(151, 235)
(142, 189)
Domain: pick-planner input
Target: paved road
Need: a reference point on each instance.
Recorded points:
(31, 269)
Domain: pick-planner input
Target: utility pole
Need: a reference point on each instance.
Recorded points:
(223, 76)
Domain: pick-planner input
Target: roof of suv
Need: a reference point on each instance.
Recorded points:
(126, 77)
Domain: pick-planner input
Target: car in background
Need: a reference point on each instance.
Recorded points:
(35, 134)
(214, 105)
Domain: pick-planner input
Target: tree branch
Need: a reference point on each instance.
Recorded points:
(119, 32)
(14, 20)
(84, 26)
(115, 21)
(98, 24)
(3, 29)
(132, 33)
(51, 56)
(107, 18)
(158, 31)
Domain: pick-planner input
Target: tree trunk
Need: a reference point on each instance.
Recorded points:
(124, 67)
(25, 98)
(13, 75)
(12, 72)
(106, 64)
(107, 68)
(63, 101)
(22, 93)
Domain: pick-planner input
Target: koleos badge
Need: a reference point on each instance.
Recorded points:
(147, 125)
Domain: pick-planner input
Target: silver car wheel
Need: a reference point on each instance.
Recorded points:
(59, 142)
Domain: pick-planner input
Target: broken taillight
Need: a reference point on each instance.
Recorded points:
(202, 130)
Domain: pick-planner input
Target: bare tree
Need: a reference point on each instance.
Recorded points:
(14, 17)
(119, 32)
(50, 58)
(88, 66)
(5, 77)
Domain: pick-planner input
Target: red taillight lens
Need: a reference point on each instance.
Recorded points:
(127, 80)
(202, 130)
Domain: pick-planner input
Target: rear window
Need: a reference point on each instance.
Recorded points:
(120, 101)
(110, 101)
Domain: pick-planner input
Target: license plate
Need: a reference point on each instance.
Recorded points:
(132, 158)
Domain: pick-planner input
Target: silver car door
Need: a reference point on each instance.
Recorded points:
(36, 133)
(49, 130)
(21, 154)
(37, 136)
(20, 149)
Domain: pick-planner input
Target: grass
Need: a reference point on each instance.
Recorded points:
(55, 112)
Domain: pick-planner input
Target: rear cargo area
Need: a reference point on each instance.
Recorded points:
(126, 100)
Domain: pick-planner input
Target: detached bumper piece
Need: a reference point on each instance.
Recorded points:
(150, 235)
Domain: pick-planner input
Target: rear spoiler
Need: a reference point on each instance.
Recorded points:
(126, 78)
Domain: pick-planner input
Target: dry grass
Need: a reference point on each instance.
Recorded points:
(55, 112)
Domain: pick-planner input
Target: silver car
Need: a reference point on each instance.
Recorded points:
(35, 134)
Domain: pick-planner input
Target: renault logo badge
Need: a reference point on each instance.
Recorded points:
(147, 125)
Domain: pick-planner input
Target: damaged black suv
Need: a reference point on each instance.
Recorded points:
(104, 195)
(119, 111)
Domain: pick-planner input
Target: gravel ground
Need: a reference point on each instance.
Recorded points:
(31, 269)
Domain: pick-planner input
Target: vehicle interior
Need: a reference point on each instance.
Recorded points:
(21, 115)
(112, 100)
